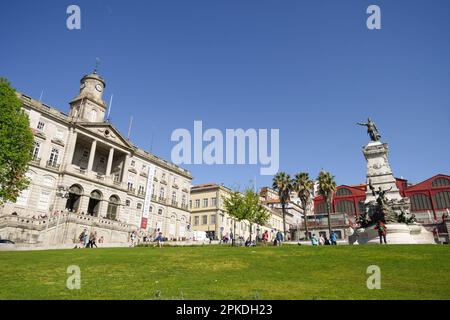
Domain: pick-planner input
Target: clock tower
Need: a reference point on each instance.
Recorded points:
(89, 104)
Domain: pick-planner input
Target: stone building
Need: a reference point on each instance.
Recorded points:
(209, 214)
(82, 165)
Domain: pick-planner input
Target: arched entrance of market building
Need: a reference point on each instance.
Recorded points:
(113, 207)
(94, 203)
(74, 199)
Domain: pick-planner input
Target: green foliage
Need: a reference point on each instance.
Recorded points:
(327, 186)
(304, 186)
(16, 141)
(282, 183)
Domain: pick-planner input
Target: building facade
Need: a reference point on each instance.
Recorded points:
(209, 214)
(81, 164)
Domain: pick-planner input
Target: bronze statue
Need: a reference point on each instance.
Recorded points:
(371, 129)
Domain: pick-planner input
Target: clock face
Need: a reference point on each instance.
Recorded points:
(98, 87)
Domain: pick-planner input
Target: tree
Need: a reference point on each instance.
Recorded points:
(255, 212)
(304, 186)
(16, 141)
(234, 205)
(283, 185)
(327, 187)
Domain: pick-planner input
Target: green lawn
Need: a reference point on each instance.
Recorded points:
(216, 272)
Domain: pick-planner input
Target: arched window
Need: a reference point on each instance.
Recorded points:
(174, 197)
(127, 203)
(73, 202)
(150, 209)
(160, 211)
(343, 192)
(35, 150)
(48, 181)
(420, 201)
(94, 203)
(440, 182)
(139, 206)
(345, 206)
(442, 199)
(113, 205)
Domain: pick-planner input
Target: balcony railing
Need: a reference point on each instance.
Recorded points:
(162, 200)
(52, 165)
(132, 190)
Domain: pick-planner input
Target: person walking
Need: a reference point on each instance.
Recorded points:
(321, 240)
(86, 240)
(265, 237)
(93, 239)
(279, 238)
(333, 238)
(326, 241)
(81, 237)
(381, 227)
(159, 240)
(314, 240)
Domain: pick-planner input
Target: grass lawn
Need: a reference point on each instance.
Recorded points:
(216, 272)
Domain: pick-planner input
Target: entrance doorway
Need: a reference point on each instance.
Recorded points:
(73, 202)
(94, 203)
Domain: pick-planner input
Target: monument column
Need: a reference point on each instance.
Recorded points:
(92, 155)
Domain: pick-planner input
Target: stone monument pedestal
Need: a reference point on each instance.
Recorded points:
(397, 233)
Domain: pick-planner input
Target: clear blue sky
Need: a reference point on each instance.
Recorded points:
(310, 68)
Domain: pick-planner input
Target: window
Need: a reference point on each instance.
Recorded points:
(440, 182)
(160, 211)
(139, 206)
(214, 202)
(190, 204)
(183, 200)
(22, 199)
(204, 219)
(205, 202)
(130, 185)
(163, 176)
(127, 203)
(344, 192)
(144, 167)
(150, 209)
(442, 199)
(141, 190)
(420, 201)
(53, 157)
(44, 200)
(196, 218)
(321, 207)
(197, 203)
(345, 206)
(41, 125)
(133, 163)
(174, 196)
(213, 219)
(161, 193)
(36, 149)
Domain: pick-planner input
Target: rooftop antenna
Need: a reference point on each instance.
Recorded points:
(110, 106)
(129, 127)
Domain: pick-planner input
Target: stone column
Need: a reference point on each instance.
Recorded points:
(126, 162)
(92, 155)
(110, 161)
(72, 141)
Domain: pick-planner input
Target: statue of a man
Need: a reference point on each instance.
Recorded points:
(371, 129)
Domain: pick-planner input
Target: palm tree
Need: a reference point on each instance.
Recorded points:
(304, 186)
(327, 186)
(283, 184)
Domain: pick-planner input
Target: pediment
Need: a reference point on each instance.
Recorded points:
(108, 132)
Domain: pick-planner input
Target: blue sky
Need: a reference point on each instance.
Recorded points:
(310, 68)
